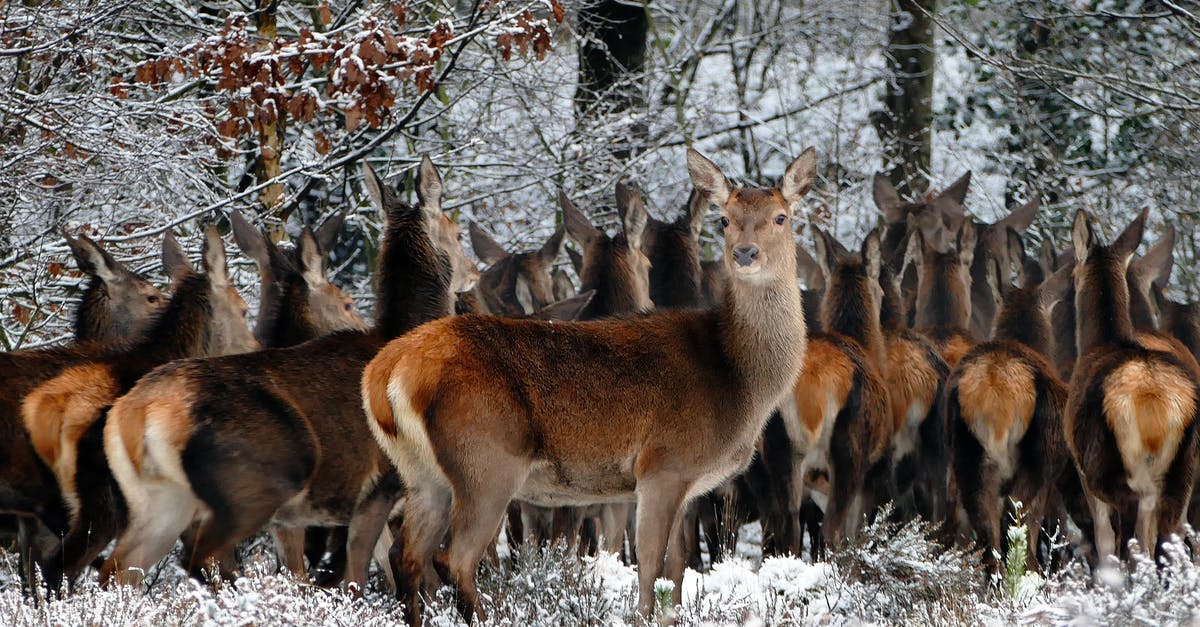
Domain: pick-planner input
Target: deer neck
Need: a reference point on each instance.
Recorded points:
(764, 337)
(1022, 320)
(182, 330)
(1102, 311)
(414, 278)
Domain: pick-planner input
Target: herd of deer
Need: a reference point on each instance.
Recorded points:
(672, 398)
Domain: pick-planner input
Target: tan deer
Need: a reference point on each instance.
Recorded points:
(661, 407)
(241, 441)
(1131, 413)
(64, 415)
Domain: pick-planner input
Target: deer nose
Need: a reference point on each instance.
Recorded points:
(745, 255)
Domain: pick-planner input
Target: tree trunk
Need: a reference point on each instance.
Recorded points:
(612, 57)
(905, 125)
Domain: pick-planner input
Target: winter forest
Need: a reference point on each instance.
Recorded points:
(127, 121)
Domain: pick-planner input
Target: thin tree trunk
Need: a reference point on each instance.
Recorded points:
(905, 125)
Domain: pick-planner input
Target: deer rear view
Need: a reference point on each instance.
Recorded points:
(1131, 412)
(1005, 403)
(663, 406)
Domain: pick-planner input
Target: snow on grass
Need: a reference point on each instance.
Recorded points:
(891, 574)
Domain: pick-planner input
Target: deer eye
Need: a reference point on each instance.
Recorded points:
(724, 222)
(458, 236)
(780, 219)
(349, 306)
(152, 299)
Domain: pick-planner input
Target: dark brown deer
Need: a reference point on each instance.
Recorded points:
(1131, 413)
(992, 244)
(940, 213)
(64, 415)
(1005, 403)
(943, 304)
(934, 215)
(663, 406)
(515, 284)
(247, 440)
(296, 300)
(915, 374)
(298, 303)
(841, 426)
(117, 303)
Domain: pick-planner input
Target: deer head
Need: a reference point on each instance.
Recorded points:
(117, 302)
(515, 284)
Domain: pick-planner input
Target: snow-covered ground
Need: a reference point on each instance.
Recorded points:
(889, 575)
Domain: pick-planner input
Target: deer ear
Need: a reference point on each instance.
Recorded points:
(696, 211)
(1021, 217)
(1017, 257)
(826, 252)
(808, 270)
(576, 260)
(329, 232)
(799, 177)
(250, 240)
(382, 195)
(579, 228)
(312, 259)
(886, 198)
(1082, 236)
(633, 214)
(553, 247)
(966, 243)
(996, 281)
(1047, 257)
(1156, 265)
(707, 178)
(429, 188)
(213, 257)
(629, 200)
(561, 284)
(567, 309)
(524, 295)
(914, 252)
(93, 259)
(872, 254)
(1128, 241)
(957, 191)
(487, 249)
(174, 260)
(1055, 288)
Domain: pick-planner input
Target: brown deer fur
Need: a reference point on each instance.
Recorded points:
(64, 415)
(915, 374)
(515, 284)
(1131, 413)
(1005, 404)
(279, 435)
(992, 244)
(843, 423)
(943, 305)
(664, 406)
(617, 269)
